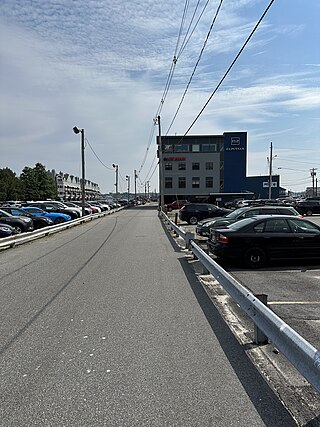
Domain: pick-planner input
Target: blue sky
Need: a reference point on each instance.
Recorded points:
(103, 65)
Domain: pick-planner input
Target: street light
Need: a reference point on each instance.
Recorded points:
(128, 179)
(116, 184)
(83, 191)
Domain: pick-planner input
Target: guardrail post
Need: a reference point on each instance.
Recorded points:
(259, 336)
(189, 236)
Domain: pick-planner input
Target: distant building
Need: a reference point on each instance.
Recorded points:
(207, 167)
(69, 186)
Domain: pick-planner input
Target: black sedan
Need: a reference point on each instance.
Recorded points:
(20, 224)
(257, 240)
(38, 221)
(7, 231)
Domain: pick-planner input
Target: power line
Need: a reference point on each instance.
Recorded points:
(196, 65)
(230, 67)
(173, 65)
(107, 167)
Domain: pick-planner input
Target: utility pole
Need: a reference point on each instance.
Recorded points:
(160, 165)
(313, 176)
(270, 170)
(135, 186)
(128, 179)
(117, 179)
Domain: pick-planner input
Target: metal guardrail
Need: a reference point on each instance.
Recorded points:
(19, 239)
(299, 352)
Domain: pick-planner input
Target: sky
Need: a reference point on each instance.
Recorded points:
(111, 67)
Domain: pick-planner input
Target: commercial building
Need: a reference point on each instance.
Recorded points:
(69, 186)
(209, 168)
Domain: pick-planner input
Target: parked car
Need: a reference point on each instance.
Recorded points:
(7, 231)
(308, 207)
(52, 207)
(203, 227)
(56, 217)
(87, 211)
(38, 221)
(176, 204)
(20, 224)
(257, 240)
(195, 212)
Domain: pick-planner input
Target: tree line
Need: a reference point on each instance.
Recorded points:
(32, 184)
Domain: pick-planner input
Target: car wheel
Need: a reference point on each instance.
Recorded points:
(255, 258)
(309, 212)
(193, 220)
(18, 228)
(59, 220)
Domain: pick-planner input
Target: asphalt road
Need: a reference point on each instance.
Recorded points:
(105, 324)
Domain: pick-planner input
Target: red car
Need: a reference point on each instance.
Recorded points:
(177, 204)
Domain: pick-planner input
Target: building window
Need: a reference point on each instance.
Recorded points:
(195, 148)
(168, 182)
(196, 166)
(209, 182)
(182, 182)
(167, 148)
(181, 166)
(209, 148)
(195, 182)
(168, 166)
(209, 166)
(181, 148)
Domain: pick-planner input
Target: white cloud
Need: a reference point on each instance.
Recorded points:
(103, 65)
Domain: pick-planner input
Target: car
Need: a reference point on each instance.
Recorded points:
(38, 221)
(257, 240)
(56, 217)
(203, 227)
(53, 207)
(20, 224)
(87, 211)
(7, 231)
(192, 213)
(176, 204)
(308, 207)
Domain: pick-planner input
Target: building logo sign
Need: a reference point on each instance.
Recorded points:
(174, 159)
(265, 184)
(235, 144)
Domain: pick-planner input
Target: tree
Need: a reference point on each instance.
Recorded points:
(37, 184)
(10, 187)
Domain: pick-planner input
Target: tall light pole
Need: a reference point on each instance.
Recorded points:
(128, 179)
(83, 183)
(117, 176)
(270, 170)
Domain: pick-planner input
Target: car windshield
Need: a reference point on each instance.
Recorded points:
(236, 213)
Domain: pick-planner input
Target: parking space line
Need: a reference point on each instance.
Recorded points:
(293, 302)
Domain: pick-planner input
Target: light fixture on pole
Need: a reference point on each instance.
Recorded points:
(117, 174)
(83, 185)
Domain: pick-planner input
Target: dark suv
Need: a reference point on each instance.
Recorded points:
(308, 207)
(194, 212)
